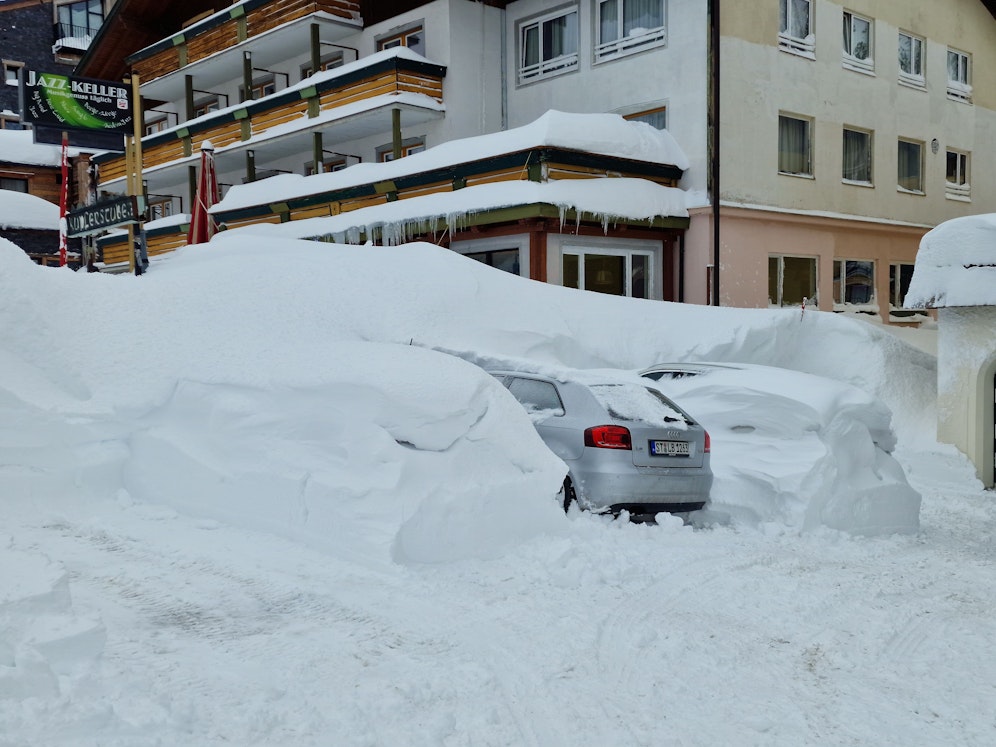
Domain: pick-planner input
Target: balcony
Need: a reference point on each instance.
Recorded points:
(212, 49)
(343, 104)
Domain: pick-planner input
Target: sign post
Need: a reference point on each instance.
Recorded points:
(98, 113)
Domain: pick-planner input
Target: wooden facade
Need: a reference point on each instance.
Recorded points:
(223, 31)
(253, 118)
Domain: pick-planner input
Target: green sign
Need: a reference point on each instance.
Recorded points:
(71, 103)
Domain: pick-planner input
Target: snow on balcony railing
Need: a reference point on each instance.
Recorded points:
(637, 39)
(548, 67)
(859, 65)
(803, 47)
(959, 91)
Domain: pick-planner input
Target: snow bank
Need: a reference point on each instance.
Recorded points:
(294, 388)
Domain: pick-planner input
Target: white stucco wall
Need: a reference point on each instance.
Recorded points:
(966, 366)
(673, 75)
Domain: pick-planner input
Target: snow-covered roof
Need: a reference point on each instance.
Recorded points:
(956, 265)
(21, 210)
(398, 222)
(18, 146)
(603, 134)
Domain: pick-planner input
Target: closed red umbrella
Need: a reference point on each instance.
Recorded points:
(201, 223)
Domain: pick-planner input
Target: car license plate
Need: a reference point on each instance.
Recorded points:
(669, 448)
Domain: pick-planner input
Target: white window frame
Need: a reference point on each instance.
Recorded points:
(920, 146)
(631, 44)
(498, 243)
(871, 158)
(804, 46)
(850, 60)
(779, 302)
(961, 188)
(547, 67)
(918, 49)
(559, 245)
(959, 87)
(896, 311)
(12, 72)
(840, 291)
(808, 174)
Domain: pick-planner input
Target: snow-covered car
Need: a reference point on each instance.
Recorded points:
(795, 448)
(627, 446)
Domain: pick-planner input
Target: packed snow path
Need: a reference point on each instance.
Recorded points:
(622, 634)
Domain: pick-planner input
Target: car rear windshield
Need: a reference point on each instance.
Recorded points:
(638, 404)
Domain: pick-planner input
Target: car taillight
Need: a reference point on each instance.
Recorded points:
(608, 437)
(708, 442)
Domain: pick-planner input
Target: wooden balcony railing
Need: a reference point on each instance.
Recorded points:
(226, 30)
(391, 76)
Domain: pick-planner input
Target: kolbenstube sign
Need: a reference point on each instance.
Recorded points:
(103, 215)
(67, 102)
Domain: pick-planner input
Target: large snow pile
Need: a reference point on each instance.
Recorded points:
(294, 388)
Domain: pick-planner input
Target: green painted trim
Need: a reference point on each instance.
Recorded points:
(279, 207)
(383, 188)
(308, 93)
(178, 40)
(241, 114)
(181, 133)
(237, 12)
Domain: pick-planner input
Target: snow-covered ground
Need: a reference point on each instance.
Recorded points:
(247, 500)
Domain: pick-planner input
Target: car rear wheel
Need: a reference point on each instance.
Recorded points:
(569, 495)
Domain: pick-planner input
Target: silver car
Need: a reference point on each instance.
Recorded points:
(627, 446)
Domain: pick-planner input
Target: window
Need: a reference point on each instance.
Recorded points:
(911, 60)
(853, 283)
(957, 186)
(413, 38)
(857, 166)
(548, 46)
(656, 118)
(795, 29)
(910, 166)
(261, 87)
(794, 146)
(503, 259)
(12, 72)
(409, 147)
(206, 106)
(334, 163)
(900, 275)
(536, 396)
(160, 206)
(858, 43)
(616, 272)
(328, 62)
(9, 121)
(82, 19)
(626, 26)
(14, 184)
(791, 281)
(155, 125)
(959, 76)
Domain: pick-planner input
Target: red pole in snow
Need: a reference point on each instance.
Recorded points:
(63, 199)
